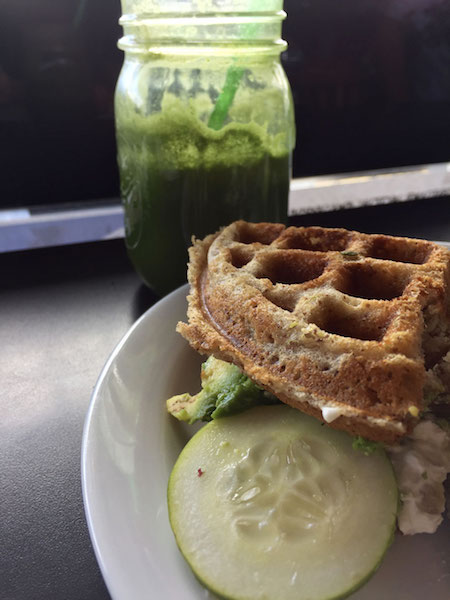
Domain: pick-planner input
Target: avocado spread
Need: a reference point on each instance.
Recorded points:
(225, 391)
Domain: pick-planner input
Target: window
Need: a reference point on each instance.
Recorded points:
(369, 78)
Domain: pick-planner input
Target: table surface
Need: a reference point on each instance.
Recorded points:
(63, 310)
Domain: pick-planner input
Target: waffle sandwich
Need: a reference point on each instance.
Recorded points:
(350, 328)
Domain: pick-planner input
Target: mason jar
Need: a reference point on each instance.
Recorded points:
(204, 125)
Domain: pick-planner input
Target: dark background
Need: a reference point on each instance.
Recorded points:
(370, 80)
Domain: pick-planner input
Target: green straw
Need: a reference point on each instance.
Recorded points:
(234, 75)
(226, 97)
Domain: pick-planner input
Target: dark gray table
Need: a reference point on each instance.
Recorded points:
(62, 311)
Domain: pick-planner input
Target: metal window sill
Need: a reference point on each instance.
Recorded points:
(26, 229)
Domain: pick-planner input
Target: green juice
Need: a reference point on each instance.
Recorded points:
(180, 179)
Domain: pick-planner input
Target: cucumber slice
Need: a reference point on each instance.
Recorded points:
(269, 504)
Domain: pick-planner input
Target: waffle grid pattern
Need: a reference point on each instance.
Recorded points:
(357, 276)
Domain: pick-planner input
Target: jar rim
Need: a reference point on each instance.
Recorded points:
(165, 47)
(200, 6)
(250, 17)
(256, 32)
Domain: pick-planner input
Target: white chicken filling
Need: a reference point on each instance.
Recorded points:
(421, 464)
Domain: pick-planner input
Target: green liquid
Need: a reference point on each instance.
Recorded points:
(179, 179)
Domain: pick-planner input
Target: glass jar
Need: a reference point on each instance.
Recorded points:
(204, 125)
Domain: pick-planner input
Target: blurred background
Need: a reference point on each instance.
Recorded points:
(370, 80)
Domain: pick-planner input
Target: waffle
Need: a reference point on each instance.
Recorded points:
(336, 323)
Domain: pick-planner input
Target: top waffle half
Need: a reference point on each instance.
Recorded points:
(331, 321)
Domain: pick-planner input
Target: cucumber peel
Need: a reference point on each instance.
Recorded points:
(269, 504)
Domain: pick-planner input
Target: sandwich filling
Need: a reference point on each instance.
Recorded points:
(421, 461)
(350, 328)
